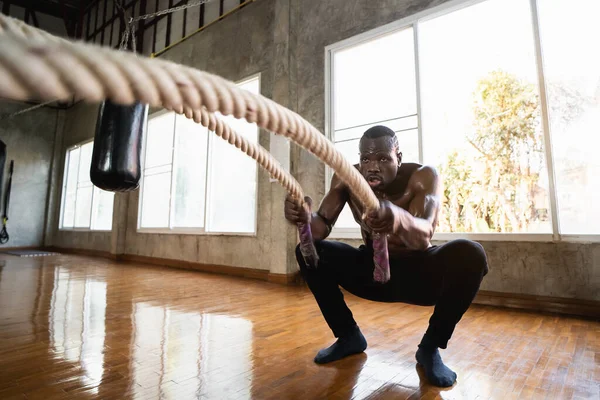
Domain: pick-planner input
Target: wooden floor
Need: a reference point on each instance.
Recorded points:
(76, 327)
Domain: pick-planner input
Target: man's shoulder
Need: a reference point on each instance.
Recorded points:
(426, 171)
(422, 176)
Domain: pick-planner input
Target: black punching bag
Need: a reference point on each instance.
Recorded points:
(116, 159)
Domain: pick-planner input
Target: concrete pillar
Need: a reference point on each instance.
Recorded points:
(55, 182)
(119, 224)
(283, 236)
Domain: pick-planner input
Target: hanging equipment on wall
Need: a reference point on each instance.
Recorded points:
(2, 162)
(4, 233)
(116, 158)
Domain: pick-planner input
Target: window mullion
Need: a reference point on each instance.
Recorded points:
(77, 189)
(173, 186)
(64, 195)
(92, 205)
(418, 90)
(205, 211)
(143, 177)
(545, 120)
(329, 109)
(208, 182)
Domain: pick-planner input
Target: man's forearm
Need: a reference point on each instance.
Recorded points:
(320, 229)
(415, 232)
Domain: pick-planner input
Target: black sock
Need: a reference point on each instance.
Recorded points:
(435, 370)
(346, 345)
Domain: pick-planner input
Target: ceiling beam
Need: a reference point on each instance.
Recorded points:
(79, 33)
(36, 23)
(66, 18)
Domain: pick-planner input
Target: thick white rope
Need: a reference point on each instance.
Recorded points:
(37, 65)
(254, 150)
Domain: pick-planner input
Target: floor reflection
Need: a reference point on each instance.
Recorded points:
(202, 354)
(76, 323)
(18, 292)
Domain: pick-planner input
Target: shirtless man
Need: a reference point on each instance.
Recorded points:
(447, 276)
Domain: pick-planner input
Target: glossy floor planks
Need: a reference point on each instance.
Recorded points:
(77, 327)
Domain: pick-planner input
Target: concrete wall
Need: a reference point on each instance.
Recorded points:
(549, 269)
(284, 40)
(49, 23)
(29, 141)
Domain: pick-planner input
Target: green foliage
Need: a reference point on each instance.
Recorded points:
(492, 187)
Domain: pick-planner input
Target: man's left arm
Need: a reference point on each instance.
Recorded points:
(416, 226)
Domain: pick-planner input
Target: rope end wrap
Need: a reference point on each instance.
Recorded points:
(381, 273)
(307, 246)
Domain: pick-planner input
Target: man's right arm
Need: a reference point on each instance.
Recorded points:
(332, 205)
(321, 221)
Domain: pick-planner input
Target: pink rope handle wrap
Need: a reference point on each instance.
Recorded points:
(307, 246)
(381, 259)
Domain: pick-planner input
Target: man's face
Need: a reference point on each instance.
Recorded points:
(379, 161)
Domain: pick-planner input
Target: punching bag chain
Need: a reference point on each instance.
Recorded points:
(170, 10)
(130, 27)
(25, 110)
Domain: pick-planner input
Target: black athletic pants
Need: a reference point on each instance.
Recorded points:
(447, 276)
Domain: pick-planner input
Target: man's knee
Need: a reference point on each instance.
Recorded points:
(470, 255)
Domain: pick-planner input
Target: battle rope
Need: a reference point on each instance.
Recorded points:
(37, 65)
(271, 165)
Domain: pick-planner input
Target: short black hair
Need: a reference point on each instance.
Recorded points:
(378, 131)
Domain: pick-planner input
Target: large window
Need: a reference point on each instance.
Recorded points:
(360, 103)
(569, 37)
(481, 119)
(194, 181)
(84, 206)
(507, 113)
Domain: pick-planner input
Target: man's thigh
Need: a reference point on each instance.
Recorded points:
(348, 264)
(416, 278)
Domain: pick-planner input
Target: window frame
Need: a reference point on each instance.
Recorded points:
(61, 227)
(207, 203)
(413, 22)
